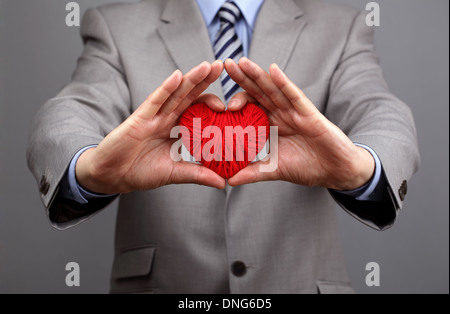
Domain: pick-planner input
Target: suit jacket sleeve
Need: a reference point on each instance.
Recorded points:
(362, 106)
(95, 102)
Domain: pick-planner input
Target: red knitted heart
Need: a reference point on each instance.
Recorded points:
(225, 142)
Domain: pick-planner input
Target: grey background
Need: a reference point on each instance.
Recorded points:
(38, 53)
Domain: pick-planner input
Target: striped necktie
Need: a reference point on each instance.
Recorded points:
(227, 45)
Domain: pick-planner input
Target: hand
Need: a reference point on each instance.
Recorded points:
(312, 151)
(136, 155)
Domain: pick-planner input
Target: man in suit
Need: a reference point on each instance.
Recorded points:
(343, 137)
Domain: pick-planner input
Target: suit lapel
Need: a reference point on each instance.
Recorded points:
(276, 32)
(186, 37)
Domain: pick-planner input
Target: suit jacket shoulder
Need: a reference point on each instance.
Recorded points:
(327, 11)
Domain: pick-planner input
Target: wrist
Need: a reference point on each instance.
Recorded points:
(362, 170)
(88, 176)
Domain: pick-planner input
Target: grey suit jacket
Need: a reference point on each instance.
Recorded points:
(187, 238)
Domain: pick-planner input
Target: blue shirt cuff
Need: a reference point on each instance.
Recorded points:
(71, 189)
(367, 192)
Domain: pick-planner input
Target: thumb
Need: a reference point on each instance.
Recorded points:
(252, 174)
(240, 100)
(185, 172)
(212, 101)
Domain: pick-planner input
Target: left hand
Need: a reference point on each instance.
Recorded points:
(312, 150)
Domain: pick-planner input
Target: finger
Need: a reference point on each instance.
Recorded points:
(154, 101)
(264, 82)
(239, 100)
(237, 75)
(252, 174)
(294, 94)
(185, 172)
(216, 70)
(212, 101)
(189, 82)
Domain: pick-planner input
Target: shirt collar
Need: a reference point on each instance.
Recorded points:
(249, 9)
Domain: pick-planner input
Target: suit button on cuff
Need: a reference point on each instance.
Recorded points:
(239, 269)
(44, 186)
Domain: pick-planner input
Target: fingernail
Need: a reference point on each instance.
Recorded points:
(203, 64)
(234, 103)
(175, 73)
(276, 67)
(221, 105)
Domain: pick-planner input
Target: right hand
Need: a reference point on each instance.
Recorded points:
(136, 155)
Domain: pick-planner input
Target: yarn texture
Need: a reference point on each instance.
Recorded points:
(225, 142)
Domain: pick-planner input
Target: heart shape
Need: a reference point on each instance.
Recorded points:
(225, 142)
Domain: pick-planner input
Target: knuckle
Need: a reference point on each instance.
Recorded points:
(239, 78)
(296, 98)
(260, 95)
(255, 76)
(155, 104)
(165, 90)
(177, 98)
(273, 93)
(192, 81)
(198, 175)
(192, 97)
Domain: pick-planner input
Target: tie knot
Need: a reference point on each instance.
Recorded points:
(229, 13)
